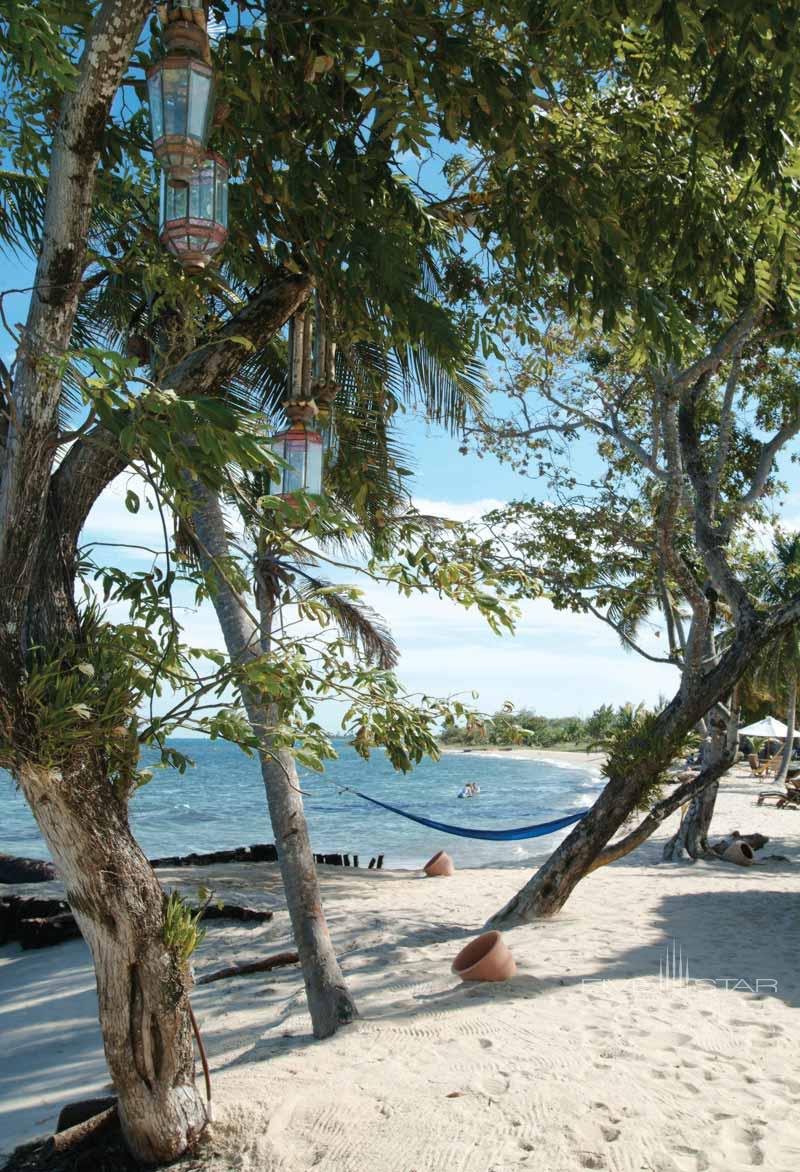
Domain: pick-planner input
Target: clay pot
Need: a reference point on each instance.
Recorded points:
(440, 864)
(739, 852)
(487, 958)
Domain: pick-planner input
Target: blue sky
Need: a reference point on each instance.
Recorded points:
(557, 663)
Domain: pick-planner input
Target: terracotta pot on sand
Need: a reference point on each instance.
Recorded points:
(487, 958)
(440, 864)
(739, 852)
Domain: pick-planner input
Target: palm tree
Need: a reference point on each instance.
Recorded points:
(775, 581)
(377, 376)
(365, 478)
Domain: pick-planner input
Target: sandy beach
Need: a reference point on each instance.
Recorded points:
(593, 761)
(593, 1056)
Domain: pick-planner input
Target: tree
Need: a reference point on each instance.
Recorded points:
(320, 108)
(777, 580)
(704, 469)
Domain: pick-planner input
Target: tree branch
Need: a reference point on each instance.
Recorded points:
(96, 459)
(37, 383)
(731, 340)
(659, 812)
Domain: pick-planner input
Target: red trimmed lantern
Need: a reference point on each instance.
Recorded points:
(194, 215)
(301, 448)
(180, 91)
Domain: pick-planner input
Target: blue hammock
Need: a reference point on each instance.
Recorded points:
(537, 831)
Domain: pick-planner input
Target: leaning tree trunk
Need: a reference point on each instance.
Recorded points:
(788, 747)
(329, 1002)
(629, 776)
(142, 986)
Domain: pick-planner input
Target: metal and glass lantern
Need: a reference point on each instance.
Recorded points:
(194, 215)
(300, 446)
(180, 90)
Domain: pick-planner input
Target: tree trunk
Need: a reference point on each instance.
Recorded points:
(691, 837)
(329, 1001)
(643, 759)
(788, 747)
(142, 987)
(658, 813)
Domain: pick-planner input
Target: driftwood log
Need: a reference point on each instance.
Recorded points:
(14, 870)
(256, 966)
(19, 870)
(44, 931)
(756, 841)
(71, 1114)
(84, 1132)
(16, 911)
(39, 923)
(259, 852)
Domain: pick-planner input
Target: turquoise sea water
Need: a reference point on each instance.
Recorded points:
(220, 804)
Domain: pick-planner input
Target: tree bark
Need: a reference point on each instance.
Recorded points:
(660, 811)
(691, 837)
(142, 986)
(788, 747)
(329, 1001)
(33, 415)
(550, 888)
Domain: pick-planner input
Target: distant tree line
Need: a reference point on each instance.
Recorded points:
(528, 728)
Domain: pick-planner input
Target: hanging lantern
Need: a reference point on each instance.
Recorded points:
(301, 447)
(194, 215)
(180, 92)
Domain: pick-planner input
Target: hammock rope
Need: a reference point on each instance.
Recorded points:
(521, 832)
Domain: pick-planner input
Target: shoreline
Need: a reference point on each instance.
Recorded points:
(586, 1059)
(565, 758)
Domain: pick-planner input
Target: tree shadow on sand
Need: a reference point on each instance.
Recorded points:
(743, 943)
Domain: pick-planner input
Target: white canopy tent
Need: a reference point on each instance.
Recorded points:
(768, 727)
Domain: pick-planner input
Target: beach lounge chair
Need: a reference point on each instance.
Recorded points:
(788, 798)
(760, 768)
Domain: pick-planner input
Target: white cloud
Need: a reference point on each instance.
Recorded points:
(457, 510)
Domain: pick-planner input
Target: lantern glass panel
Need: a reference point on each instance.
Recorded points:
(199, 104)
(205, 193)
(294, 476)
(222, 198)
(314, 468)
(176, 99)
(194, 197)
(155, 103)
(175, 200)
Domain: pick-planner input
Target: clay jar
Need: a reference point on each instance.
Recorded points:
(440, 864)
(739, 852)
(487, 958)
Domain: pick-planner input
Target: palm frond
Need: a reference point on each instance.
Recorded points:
(360, 624)
(21, 212)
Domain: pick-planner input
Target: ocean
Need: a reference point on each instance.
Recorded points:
(220, 804)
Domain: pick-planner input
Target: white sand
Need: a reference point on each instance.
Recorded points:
(587, 1059)
(577, 760)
